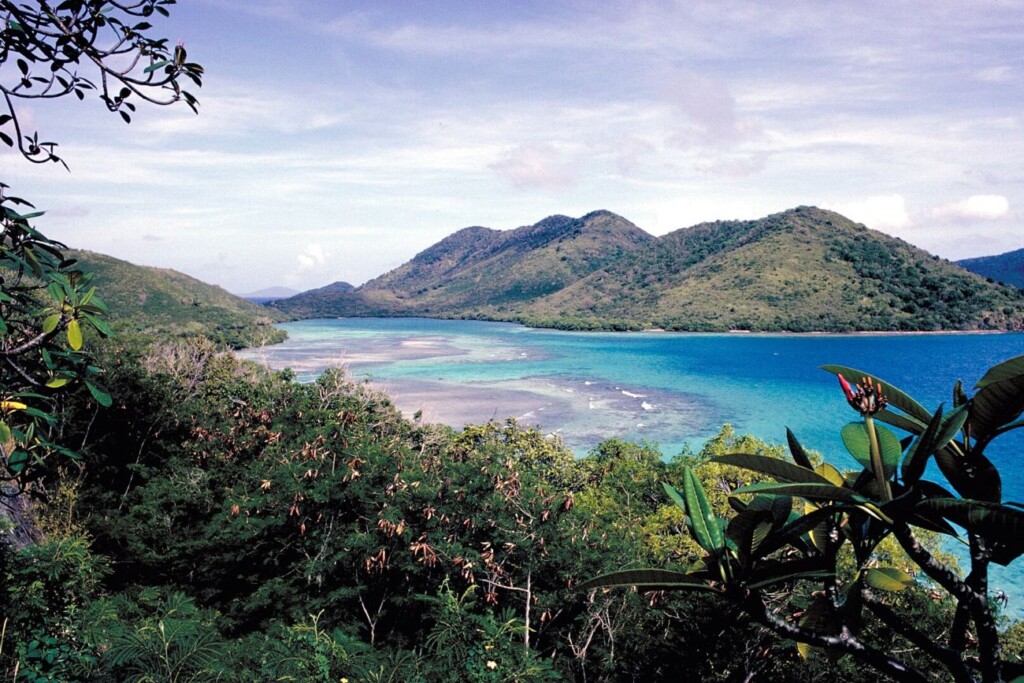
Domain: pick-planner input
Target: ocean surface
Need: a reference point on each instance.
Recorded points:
(673, 390)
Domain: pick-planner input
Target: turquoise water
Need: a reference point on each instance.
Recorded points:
(670, 389)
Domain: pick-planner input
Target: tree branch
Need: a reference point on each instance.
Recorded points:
(845, 641)
(949, 658)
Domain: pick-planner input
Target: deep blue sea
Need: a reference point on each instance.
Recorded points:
(671, 389)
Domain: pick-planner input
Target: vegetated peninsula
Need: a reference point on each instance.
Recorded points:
(1007, 268)
(801, 270)
(164, 302)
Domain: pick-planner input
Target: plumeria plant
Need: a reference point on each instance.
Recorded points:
(801, 530)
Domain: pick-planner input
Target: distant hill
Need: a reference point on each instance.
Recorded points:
(318, 303)
(262, 296)
(164, 301)
(805, 269)
(1007, 268)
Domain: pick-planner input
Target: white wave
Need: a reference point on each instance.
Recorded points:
(648, 406)
(632, 395)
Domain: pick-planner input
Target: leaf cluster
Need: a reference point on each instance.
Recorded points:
(52, 51)
(794, 528)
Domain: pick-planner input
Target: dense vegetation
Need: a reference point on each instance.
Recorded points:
(170, 513)
(857, 512)
(229, 524)
(160, 302)
(1007, 268)
(801, 270)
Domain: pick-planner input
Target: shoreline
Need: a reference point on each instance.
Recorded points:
(657, 331)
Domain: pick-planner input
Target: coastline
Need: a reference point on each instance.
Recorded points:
(661, 331)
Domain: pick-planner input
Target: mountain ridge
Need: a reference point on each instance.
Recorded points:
(1007, 267)
(804, 269)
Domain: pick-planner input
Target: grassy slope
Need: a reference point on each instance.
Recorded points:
(149, 300)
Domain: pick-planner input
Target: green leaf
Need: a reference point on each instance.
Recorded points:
(748, 529)
(917, 455)
(973, 476)
(895, 397)
(773, 467)
(817, 491)
(857, 442)
(888, 579)
(674, 495)
(793, 532)
(999, 400)
(101, 396)
(99, 323)
(50, 323)
(705, 525)
(800, 456)
(157, 65)
(57, 382)
(74, 335)
(1002, 526)
(651, 579)
(959, 397)
(1006, 370)
(17, 462)
(830, 474)
(5, 433)
(807, 568)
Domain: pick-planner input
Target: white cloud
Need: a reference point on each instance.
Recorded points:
(535, 166)
(672, 215)
(880, 212)
(734, 167)
(995, 74)
(709, 108)
(312, 258)
(979, 206)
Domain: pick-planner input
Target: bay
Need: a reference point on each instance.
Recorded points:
(673, 390)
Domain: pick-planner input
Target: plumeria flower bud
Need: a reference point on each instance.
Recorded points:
(866, 397)
(847, 389)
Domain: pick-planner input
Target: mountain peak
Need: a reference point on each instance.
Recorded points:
(805, 269)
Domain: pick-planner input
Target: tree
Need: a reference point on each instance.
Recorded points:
(49, 44)
(46, 304)
(803, 528)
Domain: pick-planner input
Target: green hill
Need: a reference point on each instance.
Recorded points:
(1007, 268)
(805, 269)
(163, 301)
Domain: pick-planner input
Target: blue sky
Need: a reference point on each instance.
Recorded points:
(336, 140)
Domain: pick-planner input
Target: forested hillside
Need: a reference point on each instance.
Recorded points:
(801, 270)
(160, 301)
(1007, 268)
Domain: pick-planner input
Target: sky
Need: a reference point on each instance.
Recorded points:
(337, 139)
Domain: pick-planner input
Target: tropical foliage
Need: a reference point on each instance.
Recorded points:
(813, 524)
(47, 304)
(229, 524)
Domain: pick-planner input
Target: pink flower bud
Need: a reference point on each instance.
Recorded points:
(847, 389)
